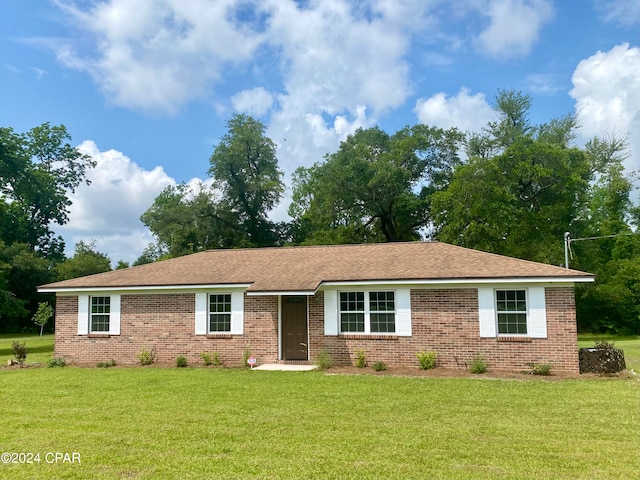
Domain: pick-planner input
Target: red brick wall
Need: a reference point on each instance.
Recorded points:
(166, 322)
(445, 321)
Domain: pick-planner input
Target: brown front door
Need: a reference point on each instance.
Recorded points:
(294, 328)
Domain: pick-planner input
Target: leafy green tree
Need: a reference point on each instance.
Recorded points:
(233, 211)
(376, 187)
(37, 171)
(612, 304)
(42, 315)
(21, 271)
(85, 261)
(244, 168)
(151, 253)
(518, 203)
(185, 220)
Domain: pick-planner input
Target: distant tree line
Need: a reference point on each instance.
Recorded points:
(512, 189)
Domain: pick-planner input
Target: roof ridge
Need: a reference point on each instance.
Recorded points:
(329, 245)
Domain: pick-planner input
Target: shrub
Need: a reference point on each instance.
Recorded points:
(181, 362)
(211, 358)
(57, 362)
(110, 363)
(540, 369)
(478, 364)
(146, 357)
(361, 359)
(427, 360)
(604, 345)
(379, 366)
(19, 351)
(324, 361)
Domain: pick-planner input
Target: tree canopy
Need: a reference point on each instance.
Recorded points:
(233, 211)
(376, 187)
(38, 170)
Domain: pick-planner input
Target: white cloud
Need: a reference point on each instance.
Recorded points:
(108, 211)
(606, 87)
(622, 12)
(342, 67)
(157, 56)
(256, 101)
(543, 83)
(465, 111)
(514, 26)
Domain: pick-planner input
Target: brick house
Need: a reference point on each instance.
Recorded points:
(391, 300)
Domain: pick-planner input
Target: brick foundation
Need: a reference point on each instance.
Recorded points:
(443, 320)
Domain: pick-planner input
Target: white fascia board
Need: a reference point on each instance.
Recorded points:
(299, 293)
(462, 282)
(146, 289)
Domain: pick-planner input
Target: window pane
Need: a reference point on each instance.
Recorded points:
(220, 312)
(100, 304)
(512, 323)
(220, 322)
(352, 322)
(99, 323)
(383, 322)
(381, 302)
(352, 301)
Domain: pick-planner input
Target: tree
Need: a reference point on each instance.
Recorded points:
(42, 315)
(244, 168)
(612, 304)
(518, 203)
(21, 271)
(186, 220)
(376, 187)
(85, 261)
(37, 171)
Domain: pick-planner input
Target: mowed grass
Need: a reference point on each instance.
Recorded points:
(149, 423)
(40, 349)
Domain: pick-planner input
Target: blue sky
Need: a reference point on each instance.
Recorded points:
(146, 86)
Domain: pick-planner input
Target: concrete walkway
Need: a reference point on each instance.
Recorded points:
(284, 367)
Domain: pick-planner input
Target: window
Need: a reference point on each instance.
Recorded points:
(100, 314)
(376, 314)
(511, 308)
(220, 313)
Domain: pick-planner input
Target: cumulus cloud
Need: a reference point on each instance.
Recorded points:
(108, 211)
(157, 56)
(606, 87)
(514, 26)
(343, 68)
(465, 111)
(256, 101)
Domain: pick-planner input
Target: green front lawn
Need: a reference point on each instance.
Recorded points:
(225, 423)
(40, 349)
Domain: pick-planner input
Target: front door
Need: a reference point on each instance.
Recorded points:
(294, 328)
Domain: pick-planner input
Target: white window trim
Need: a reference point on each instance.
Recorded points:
(536, 311)
(202, 312)
(367, 311)
(84, 314)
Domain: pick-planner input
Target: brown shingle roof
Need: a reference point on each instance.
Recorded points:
(290, 269)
